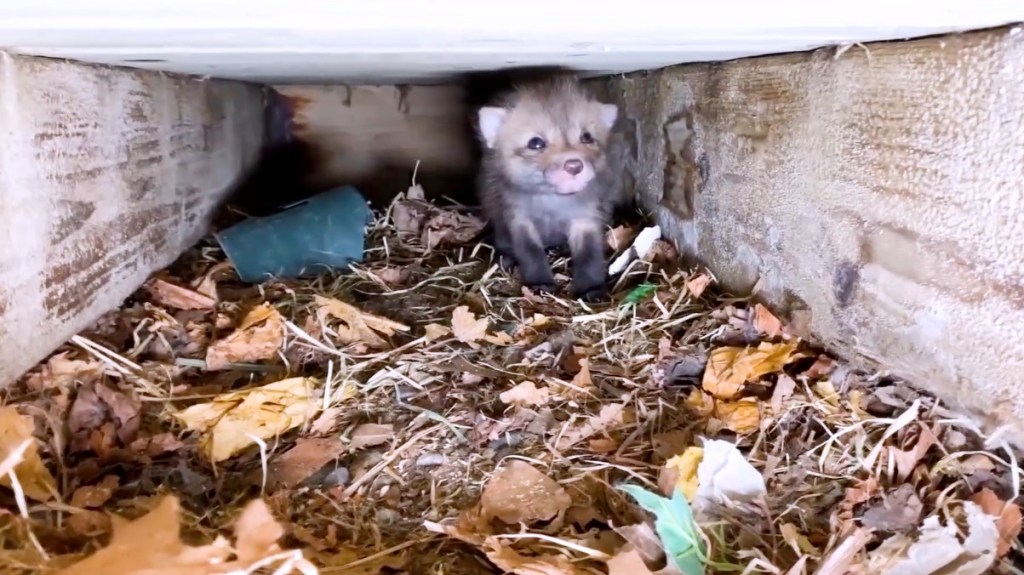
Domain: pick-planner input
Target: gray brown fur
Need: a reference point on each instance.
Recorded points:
(518, 186)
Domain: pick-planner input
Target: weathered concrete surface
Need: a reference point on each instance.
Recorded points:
(877, 196)
(106, 175)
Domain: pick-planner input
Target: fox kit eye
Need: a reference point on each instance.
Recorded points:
(586, 138)
(536, 144)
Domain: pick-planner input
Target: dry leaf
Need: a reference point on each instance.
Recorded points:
(821, 367)
(326, 422)
(370, 434)
(35, 479)
(742, 416)
(521, 493)
(498, 338)
(435, 331)
(152, 545)
(466, 327)
(63, 373)
(899, 510)
(610, 415)
(729, 368)
(264, 412)
(1007, 514)
(841, 559)
(765, 322)
(907, 460)
(685, 466)
(697, 285)
(259, 336)
(390, 274)
(360, 327)
(582, 380)
(620, 237)
(628, 562)
(93, 496)
(784, 388)
(447, 227)
(171, 295)
(526, 393)
(306, 457)
(508, 560)
(702, 404)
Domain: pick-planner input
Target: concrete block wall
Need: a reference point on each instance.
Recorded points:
(874, 195)
(106, 175)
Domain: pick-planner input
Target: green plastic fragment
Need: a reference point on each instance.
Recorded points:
(676, 527)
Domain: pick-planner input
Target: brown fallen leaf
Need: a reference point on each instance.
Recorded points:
(520, 493)
(306, 457)
(898, 511)
(821, 367)
(171, 295)
(264, 412)
(207, 285)
(583, 380)
(510, 561)
(698, 284)
(784, 388)
(466, 327)
(35, 479)
(742, 416)
(360, 327)
(628, 562)
(642, 538)
(1007, 514)
(93, 496)
(370, 434)
(609, 416)
(391, 275)
(326, 422)
(841, 558)
(158, 444)
(61, 372)
(907, 460)
(152, 545)
(124, 410)
(526, 393)
(620, 237)
(447, 227)
(730, 368)
(765, 322)
(259, 336)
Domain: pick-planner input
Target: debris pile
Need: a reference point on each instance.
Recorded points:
(422, 413)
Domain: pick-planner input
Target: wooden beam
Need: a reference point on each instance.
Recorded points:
(875, 194)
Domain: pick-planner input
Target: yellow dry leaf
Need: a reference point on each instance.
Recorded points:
(827, 392)
(152, 545)
(435, 331)
(466, 327)
(510, 561)
(263, 412)
(765, 322)
(697, 285)
(743, 416)
(258, 337)
(360, 327)
(526, 393)
(685, 466)
(35, 479)
(700, 403)
(730, 368)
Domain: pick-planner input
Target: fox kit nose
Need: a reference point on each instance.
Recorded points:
(574, 167)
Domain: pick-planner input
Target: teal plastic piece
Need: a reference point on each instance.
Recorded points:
(325, 232)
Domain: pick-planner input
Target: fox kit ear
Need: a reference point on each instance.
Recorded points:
(609, 112)
(490, 120)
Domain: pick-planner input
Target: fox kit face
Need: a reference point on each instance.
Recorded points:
(549, 140)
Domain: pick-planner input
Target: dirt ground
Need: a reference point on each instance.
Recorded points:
(422, 413)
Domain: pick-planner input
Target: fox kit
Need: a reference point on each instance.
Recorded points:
(544, 181)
